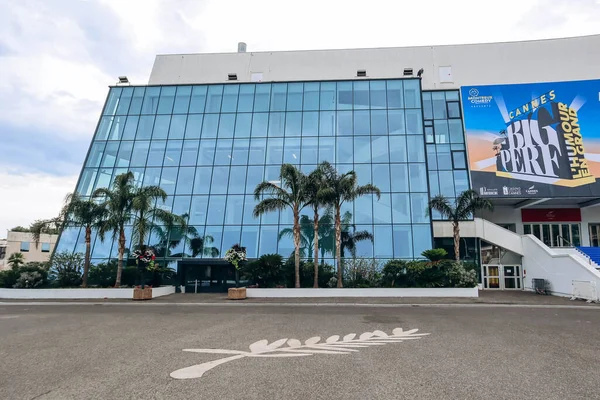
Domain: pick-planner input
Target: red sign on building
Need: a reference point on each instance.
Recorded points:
(551, 215)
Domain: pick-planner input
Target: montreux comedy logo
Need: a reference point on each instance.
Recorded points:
(543, 141)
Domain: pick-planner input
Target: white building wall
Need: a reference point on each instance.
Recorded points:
(13, 245)
(471, 64)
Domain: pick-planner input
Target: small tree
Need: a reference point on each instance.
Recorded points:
(236, 255)
(16, 260)
(465, 205)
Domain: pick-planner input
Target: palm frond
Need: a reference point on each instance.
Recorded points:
(442, 205)
(269, 205)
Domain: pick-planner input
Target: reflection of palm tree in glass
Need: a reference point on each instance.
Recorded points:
(350, 236)
(171, 236)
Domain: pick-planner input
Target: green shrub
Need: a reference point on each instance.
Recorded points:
(32, 274)
(68, 268)
(435, 254)
(29, 280)
(394, 274)
(361, 272)
(459, 276)
(105, 275)
(266, 271)
(9, 278)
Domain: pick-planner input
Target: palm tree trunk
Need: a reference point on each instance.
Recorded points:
(297, 246)
(456, 233)
(121, 252)
(338, 245)
(316, 257)
(86, 262)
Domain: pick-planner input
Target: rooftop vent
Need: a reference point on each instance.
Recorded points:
(232, 77)
(361, 72)
(241, 47)
(408, 72)
(123, 80)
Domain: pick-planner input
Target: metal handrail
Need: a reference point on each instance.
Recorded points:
(564, 240)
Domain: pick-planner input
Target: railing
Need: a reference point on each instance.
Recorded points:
(563, 240)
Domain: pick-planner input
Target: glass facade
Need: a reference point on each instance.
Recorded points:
(208, 146)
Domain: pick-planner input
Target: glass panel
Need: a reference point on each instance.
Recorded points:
(414, 122)
(417, 148)
(182, 100)
(223, 152)
(110, 155)
(292, 151)
(400, 208)
(220, 180)
(461, 181)
(185, 180)
(243, 125)
(216, 210)
(161, 127)
(202, 180)
(213, 101)
(395, 95)
(257, 151)
(446, 183)
(150, 104)
(527, 229)
(403, 241)
(412, 93)
(246, 98)
(434, 186)
(293, 124)
(130, 128)
(310, 150)
(418, 205)
(382, 237)
(268, 240)
(253, 178)
(124, 156)
(104, 128)
(259, 124)
(427, 106)
(173, 153)
(262, 97)
(250, 240)
(276, 124)
(379, 122)
(565, 232)
(240, 152)
(344, 123)
(206, 154)
(86, 183)
(145, 127)
(455, 128)
(453, 109)
(363, 209)
(327, 149)
(274, 151)
(378, 96)
(575, 235)
(294, 97)
(226, 125)
(382, 209)
(189, 153)
(198, 210)
(234, 210)
(381, 176)
(112, 101)
(124, 101)
(344, 150)
(362, 149)
(328, 96)
(140, 153)
(216, 234)
(249, 204)
(362, 122)
(310, 124)
(439, 105)
(418, 177)
(380, 149)
(237, 180)
(396, 122)
(421, 239)
(364, 248)
(398, 149)
(278, 97)
(137, 100)
(537, 231)
(168, 179)
(177, 127)
(444, 159)
(441, 131)
(198, 100)
(167, 97)
(459, 159)
(230, 98)
(326, 123)
(311, 96)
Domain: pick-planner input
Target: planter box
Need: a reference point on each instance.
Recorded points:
(142, 294)
(236, 293)
(88, 293)
(368, 292)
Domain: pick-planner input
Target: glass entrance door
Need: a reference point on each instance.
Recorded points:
(504, 277)
(555, 235)
(595, 235)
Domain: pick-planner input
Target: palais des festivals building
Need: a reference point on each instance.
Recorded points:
(517, 122)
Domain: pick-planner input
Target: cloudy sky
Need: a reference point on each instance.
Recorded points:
(57, 58)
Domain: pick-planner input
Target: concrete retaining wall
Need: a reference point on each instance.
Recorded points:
(368, 292)
(107, 293)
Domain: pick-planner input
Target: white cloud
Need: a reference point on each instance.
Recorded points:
(27, 197)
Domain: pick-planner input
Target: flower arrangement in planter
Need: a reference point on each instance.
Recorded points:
(144, 260)
(236, 255)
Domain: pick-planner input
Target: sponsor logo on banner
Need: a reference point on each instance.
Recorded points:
(511, 191)
(483, 191)
(476, 99)
(531, 190)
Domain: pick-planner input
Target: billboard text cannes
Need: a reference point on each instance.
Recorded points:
(534, 140)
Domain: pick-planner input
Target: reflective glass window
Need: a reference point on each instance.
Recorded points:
(182, 100)
(110, 155)
(382, 209)
(422, 238)
(361, 95)
(257, 151)
(456, 131)
(226, 125)
(381, 176)
(344, 123)
(310, 150)
(293, 124)
(311, 96)
(239, 156)
(294, 96)
(194, 126)
(140, 153)
(116, 131)
(403, 241)
(310, 124)
(379, 122)
(274, 151)
(234, 210)
(231, 236)
(418, 207)
(285, 244)
(254, 176)
(237, 180)
(214, 99)
(395, 94)
(124, 155)
(417, 174)
(124, 101)
(268, 240)
(276, 124)
(461, 181)
(150, 104)
(130, 127)
(213, 236)
(444, 157)
(453, 109)
(412, 93)
(167, 97)
(113, 101)
(216, 210)
(399, 177)
(363, 209)
(398, 149)
(152, 176)
(382, 238)
(189, 154)
(362, 149)
(400, 208)
(326, 123)
(431, 157)
(198, 210)
(86, 182)
(434, 186)
(447, 183)
(206, 154)
(380, 149)
(230, 98)
(414, 122)
(145, 127)
(136, 101)
(250, 240)
(344, 152)
(396, 122)
(96, 153)
(104, 128)
(161, 127)
(202, 180)
(185, 180)
(364, 248)
(378, 94)
(210, 125)
(173, 153)
(198, 100)
(246, 98)
(262, 97)
(168, 179)
(260, 121)
(177, 127)
(327, 149)
(243, 124)
(362, 122)
(327, 96)
(363, 173)
(223, 152)
(278, 96)
(441, 131)
(417, 148)
(438, 100)
(291, 151)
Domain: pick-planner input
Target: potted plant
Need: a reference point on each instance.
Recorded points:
(144, 261)
(236, 255)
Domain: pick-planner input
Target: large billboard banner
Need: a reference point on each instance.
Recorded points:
(534, 140)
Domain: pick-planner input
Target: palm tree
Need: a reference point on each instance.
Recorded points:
(86, 213)
(314, 187)
(50, 226)
(465, 205)
(340, 189)
(306, 235)
(290, 192)
(16, 260)
(351, 237)
(118, 202)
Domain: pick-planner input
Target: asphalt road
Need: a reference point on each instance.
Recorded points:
(128, 352)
